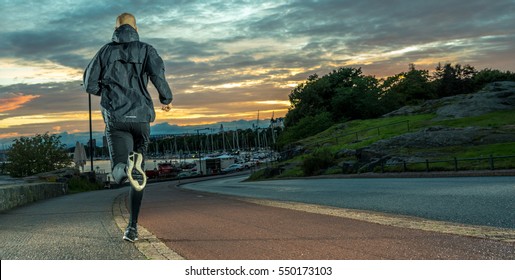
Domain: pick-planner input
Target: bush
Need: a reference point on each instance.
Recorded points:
(33, 155)
(317, 162)
(256, 176)
(82, 184)
(306, 127)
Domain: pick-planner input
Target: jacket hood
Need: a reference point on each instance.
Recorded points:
(125, 34)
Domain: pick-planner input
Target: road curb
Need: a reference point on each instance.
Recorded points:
(148, 244)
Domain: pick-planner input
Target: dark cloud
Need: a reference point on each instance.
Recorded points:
(386, 23)
(35, 48)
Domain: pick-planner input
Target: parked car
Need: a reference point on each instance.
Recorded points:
(232, 168)
(164, 169)
(249, 164)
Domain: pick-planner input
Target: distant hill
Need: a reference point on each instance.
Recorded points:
(166, 128)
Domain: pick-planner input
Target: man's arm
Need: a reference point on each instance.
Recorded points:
(156, 71)
(91, 76)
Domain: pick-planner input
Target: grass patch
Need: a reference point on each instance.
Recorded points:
(333, 170)
(82, 184)
(493, 120)
(258, 175)
(499, 149)
(293, 171)
(360, 133)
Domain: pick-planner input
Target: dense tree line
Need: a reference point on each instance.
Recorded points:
(347, 94)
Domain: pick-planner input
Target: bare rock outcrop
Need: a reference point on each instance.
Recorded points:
(493, 97)
(441, 136)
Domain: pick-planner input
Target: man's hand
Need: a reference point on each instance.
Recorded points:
(167, 108)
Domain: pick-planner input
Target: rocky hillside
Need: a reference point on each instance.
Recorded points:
(468, 125)
(493, 97)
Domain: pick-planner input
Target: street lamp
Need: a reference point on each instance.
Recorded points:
(90, 133)
(198, 148)
(90, 130)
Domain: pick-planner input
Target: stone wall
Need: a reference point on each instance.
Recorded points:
(12, 196)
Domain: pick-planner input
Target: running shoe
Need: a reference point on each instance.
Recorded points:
(131, 234)
(135, 173)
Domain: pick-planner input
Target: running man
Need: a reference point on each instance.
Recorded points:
(119, 74)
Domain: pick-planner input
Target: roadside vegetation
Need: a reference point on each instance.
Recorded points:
(82, 183)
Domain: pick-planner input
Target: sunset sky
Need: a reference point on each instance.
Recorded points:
(225, 60)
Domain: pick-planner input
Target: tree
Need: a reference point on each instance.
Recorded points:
(316, 95)
(407, 88)
(33, 155)
(452, 80)
(359, 101)
(487, 75)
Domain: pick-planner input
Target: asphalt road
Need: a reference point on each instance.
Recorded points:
(487, 201)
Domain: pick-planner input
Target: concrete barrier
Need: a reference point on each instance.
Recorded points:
(12, 196)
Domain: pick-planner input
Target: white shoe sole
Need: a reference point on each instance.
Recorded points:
(134, 183)
(130, 240)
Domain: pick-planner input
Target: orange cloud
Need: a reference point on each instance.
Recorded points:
(15, 102)
(10, 135)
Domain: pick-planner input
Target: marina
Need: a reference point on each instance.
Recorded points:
(178, 166)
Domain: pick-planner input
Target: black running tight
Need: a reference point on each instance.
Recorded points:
(123, 138)
(135, 198)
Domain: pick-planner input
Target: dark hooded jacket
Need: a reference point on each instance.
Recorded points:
(119, 73)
